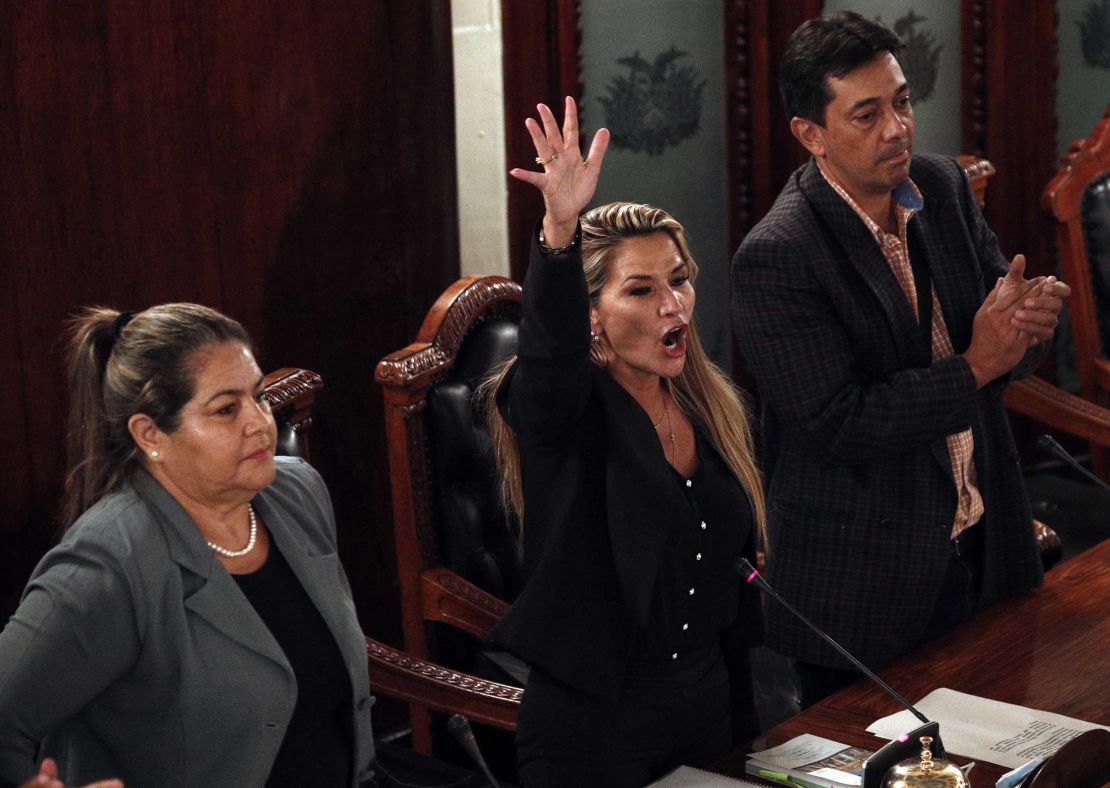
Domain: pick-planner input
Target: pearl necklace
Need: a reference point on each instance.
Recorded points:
(250, 542)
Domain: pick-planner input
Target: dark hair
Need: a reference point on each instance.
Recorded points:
(831, 46)
(120, 365)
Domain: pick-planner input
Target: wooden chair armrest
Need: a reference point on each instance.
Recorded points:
(396, 674)
(1102, 373)
(1038, 399)
(450, 599)
(294, 389)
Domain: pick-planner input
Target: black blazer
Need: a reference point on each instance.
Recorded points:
(861, 494)
(599, 497)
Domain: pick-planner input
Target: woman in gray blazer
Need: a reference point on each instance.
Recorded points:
(194, 626)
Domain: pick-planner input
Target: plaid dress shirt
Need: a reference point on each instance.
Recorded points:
(895, 248)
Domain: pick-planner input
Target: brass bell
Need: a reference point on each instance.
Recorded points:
(925, 772)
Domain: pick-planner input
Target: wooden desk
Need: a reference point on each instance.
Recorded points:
(1046, 650)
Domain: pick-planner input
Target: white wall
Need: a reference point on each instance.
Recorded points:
(480, 138)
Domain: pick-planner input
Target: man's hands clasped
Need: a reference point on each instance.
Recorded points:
(1018, 313)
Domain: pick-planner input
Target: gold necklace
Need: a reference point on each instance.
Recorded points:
(670, 429)
(662, 396)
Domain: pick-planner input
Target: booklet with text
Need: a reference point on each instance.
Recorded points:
(811, 762)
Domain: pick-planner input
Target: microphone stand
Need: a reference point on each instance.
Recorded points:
(1052, 446)
(876, 766)
(754, 576)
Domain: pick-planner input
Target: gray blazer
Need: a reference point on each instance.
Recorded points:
(133, 653)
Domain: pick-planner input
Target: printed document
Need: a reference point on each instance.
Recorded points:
(987, 730)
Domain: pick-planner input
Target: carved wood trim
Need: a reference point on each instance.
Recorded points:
(469, 301)
(1086, 160)
(973, 77)
(420, 480)
(451, 599)
(419, 681)
(740, 117)
(295, 389)
(978, 172)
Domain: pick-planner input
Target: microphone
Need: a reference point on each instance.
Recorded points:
(459, 727)
(1049, 444)
(753, 576)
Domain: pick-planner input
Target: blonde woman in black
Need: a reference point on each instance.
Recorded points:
(627, 457)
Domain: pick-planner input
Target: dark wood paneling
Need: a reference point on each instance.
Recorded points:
(762, 151)
(291, 166)
(540, 41)
(1009, 98)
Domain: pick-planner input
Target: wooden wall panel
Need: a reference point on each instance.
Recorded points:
(540, 63)
(290, 165)
(1009, 98)
(762, 151)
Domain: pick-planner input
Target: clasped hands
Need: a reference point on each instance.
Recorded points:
(1018, 313)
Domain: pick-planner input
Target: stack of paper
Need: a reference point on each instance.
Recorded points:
(811, 762)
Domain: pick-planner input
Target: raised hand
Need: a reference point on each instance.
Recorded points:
(568, 181)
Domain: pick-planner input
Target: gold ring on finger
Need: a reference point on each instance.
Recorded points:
(548, 160)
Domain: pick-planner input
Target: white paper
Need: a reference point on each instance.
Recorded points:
(689, 777)
(835, 774)
(987, 730)
(799, 751)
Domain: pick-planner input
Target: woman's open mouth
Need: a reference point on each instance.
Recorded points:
(674, 341)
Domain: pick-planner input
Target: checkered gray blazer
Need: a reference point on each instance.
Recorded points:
(855, 413)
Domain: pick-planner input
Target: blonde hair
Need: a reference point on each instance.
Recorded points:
(702, 390)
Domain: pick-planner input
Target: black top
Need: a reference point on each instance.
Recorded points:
(317, 748)
(602, 510)
(695, 598)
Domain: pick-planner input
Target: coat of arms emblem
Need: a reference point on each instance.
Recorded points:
(919, 59)
(658, 104)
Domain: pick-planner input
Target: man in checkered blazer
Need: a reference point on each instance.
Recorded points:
(882, 323)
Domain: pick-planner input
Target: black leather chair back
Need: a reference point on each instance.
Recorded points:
(476, 540)
(1095, 211)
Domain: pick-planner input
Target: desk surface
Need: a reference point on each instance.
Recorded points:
(1047, 650)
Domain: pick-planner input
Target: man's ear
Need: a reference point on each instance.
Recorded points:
(811, 135)
(146, 434)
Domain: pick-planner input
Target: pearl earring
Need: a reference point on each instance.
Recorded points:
(154, 454)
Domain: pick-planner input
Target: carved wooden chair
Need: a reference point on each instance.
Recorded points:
(1078, 199)
(458, 559)
(1036, 397)
(395, 673)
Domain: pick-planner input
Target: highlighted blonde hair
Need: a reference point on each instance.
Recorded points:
(702, 390)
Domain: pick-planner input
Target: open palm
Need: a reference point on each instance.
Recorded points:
(568, 181)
